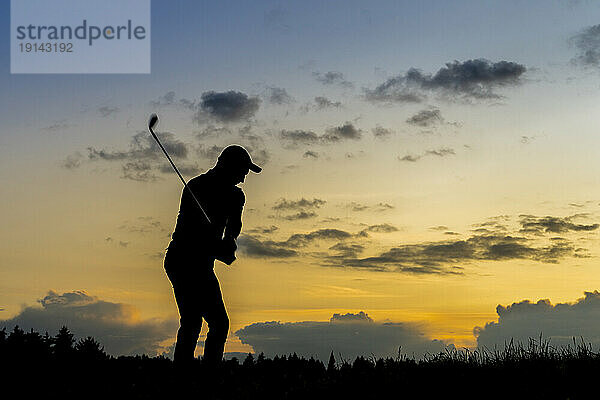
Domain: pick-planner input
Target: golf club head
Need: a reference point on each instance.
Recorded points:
(152, 121)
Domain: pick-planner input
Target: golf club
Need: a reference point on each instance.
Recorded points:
(151, 124)
(227, 259)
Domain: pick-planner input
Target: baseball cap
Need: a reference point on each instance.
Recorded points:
(237, 155)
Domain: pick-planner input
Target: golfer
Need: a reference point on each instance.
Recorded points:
(195, 245)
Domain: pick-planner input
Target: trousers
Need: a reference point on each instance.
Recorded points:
(198, 296)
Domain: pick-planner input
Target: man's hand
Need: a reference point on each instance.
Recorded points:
(226, 250)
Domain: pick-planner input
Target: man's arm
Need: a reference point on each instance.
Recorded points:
(233, 226)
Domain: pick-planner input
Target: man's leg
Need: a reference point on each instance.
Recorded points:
(190, 323)
(216, 317)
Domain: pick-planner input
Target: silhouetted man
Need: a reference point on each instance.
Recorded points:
(197, 243)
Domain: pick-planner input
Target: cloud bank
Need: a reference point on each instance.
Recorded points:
(115, 325)
(349, 335)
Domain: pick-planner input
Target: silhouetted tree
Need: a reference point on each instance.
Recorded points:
(249, 361)
(63, 343)
(331, 363)
(90, 349)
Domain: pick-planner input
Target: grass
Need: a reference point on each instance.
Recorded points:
(53, 367)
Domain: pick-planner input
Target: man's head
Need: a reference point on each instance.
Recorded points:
(235, 161)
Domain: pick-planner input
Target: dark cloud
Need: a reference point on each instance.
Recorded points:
(143, 147)
(106, 111)
(263, 229)
(469, 80)
(298, 240)
(322, 103)
(278, 96)
(442, 257)
(348, 335)
(297, 137)
(143, 158)
(439, 228)
(441, 152)
(560, 322)
(587, 44)
(410, 158)
(347, 249)
(333, 78)
(254, 247)
(228, 106)
(358, 207)
(342, 132)
(300, 215)
(115, 325)
(209, 152)
(140, 171)
(310, 154)
(381, 228)
(332, 135)
(381, 133)
(548, 224)
(170, 99)
(284, 204)
(426, 118)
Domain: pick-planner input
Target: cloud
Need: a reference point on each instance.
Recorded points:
(410, 158)
(58, 126)
(468, 80)
(333, 78)
(548, 224)
(342, 132)
(559, 323)
(116, 326)
(346, 131)
(381, 228)
(381, 132)
(164, 100)
(426, 118)
(144, 158)
(441, 152)
(263, 229)
(254, 247)
(310, 154)
(448, 256)
(106, 111)
(228, 106)
(347, 249)
(278, 96)
(283, 204)
(142, 225)
(298, 240)
(358, 207)
(322, 103)
(300, 215)
(72, 161)
(212, 131)
(143, 148)
(587, 44)
(349, 335)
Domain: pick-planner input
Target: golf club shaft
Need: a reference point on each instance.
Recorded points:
(178, 174)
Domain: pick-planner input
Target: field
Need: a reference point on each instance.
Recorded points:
(62, 367)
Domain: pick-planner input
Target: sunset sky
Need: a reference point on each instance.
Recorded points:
(423, 163)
